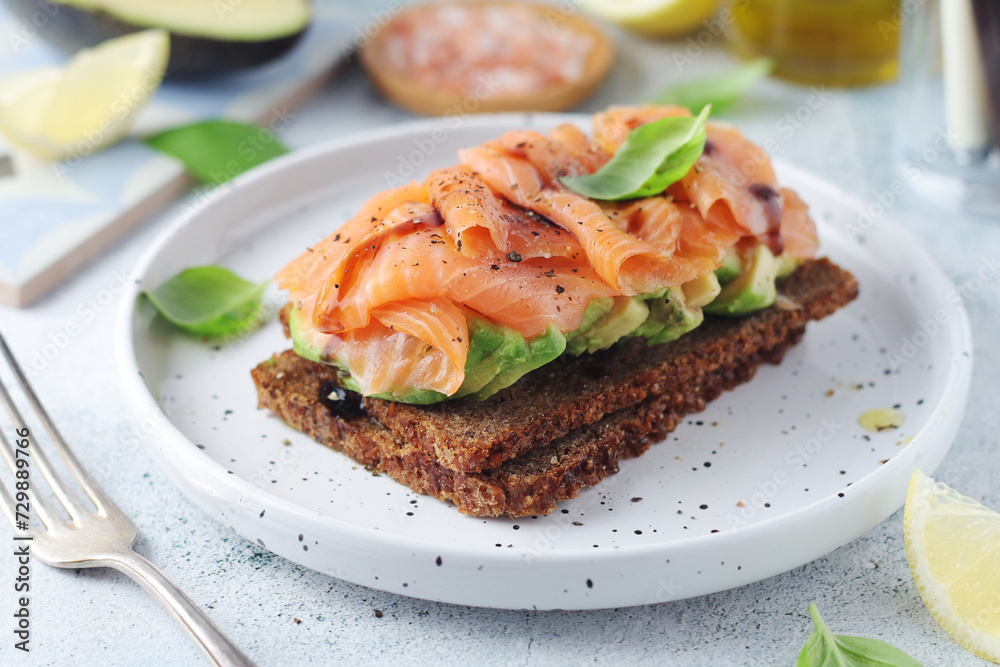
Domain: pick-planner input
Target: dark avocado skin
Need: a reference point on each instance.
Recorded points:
(71, 29)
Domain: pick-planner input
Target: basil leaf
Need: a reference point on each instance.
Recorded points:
(210, 301)
(216, 151)
(652, 157)
(825, 649)
(719, 91)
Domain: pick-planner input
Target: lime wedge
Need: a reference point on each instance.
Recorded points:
(57, 113)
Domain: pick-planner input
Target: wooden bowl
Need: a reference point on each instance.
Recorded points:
(436, 100)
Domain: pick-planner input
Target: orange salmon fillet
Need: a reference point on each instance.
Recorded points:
(389, 295)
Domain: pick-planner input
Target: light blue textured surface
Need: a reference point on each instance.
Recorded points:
(283, 614)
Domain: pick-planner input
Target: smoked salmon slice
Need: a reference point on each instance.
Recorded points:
(612, 127)
(388, 298)
(798, 230)
(627, 263)
(733, 178)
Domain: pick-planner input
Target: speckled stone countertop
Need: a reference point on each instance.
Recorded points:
(283, 614)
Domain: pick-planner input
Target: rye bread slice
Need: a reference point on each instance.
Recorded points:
(561, 428)
(575, 391)
(297, 391)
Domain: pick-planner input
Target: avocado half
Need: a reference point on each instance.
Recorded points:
(206, 36)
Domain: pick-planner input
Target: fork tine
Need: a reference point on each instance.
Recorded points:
(101, 501)
(40, 506)
(82, 477)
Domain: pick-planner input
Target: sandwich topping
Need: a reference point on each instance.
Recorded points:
(461, 284)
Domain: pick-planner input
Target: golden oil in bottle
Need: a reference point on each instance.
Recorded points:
(833, 42)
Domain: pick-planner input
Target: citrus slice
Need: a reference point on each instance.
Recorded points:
(953, 546)
(654, 17)
(56, 113)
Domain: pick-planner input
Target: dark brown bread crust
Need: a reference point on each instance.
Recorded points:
(296, 390)
(533, 445)
(470, 437)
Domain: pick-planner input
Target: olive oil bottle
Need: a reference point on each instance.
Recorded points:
(833, 42)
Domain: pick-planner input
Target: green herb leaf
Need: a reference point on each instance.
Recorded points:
(825, 649)
(652, 157)
(210, 301)
(719, 91)
(215, 151)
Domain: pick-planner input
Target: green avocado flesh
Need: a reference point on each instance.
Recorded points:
(499, 356)
(206, 36)
(752, 289)
(730, 268)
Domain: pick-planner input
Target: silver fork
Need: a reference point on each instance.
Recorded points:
(91, 539)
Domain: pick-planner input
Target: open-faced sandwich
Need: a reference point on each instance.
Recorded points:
(493, 337)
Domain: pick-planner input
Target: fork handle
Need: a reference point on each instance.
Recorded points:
(216, 646)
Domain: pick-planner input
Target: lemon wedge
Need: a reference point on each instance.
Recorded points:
(59, 112)
(657, 18)
(953, 547)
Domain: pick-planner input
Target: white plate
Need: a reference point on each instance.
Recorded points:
(770, 476)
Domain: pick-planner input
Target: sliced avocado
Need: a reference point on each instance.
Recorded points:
(305, 340)
(595, 311)
(669, 318)
(492, 349)
(539, 351)
(206, 36)
(786, 266)
(701, 291)
(407, 395)
(730, 267)
(752, 290)
(621, 316)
